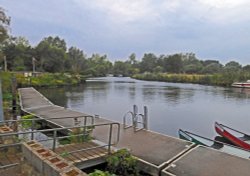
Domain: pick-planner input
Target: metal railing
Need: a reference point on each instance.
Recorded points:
(55, 138)
(33, 120)
(128, 114)
(136, 119)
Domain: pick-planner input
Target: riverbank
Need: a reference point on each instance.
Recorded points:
(40, 80)
(212, 79)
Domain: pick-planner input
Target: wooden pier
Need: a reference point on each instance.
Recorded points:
(156, 153)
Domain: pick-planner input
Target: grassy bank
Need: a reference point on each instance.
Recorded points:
(220, 79)
(49, 80)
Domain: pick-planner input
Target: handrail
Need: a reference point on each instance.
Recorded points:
(125, 122)
(37, 119)
(141, 122)
(55, 138)
(55, 130)
(42, 119)
(8, 165)
(135, 117)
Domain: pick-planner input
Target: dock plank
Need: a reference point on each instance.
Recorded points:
(208, 162)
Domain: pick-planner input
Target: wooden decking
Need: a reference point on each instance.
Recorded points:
(81, 156)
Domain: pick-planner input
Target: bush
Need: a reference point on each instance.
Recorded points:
(27, 124)
(100, 173)
(122, 163)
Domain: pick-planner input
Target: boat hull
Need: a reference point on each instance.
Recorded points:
(221, 130)
(218, 145)
(241, 85)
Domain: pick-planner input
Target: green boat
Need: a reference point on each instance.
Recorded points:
(223, 147)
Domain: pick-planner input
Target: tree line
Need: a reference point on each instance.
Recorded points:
(51, 54)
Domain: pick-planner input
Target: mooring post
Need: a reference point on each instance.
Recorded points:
(145, 124)
(14, 106)
(135, 112)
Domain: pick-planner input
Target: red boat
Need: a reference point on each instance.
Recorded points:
(242, 84)
(236, 137)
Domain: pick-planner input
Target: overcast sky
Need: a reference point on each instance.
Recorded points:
(213, 29)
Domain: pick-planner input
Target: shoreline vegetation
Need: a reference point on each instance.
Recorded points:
(219, 79)
(41, 80)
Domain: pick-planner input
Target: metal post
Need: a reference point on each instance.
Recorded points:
(110, 138)
(135, 112)
(14, 105)
(32, 129)
(54, 140)
(145, 119)
(1, 102)
(84, 130)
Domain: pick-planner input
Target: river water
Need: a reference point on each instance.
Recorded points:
(171, 105)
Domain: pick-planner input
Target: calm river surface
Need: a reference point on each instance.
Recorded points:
(171, 105)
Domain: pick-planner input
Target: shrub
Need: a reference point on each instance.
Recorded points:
(122, 163)
(27, 124)
(100, 173)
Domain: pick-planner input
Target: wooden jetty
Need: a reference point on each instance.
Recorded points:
(154, 151)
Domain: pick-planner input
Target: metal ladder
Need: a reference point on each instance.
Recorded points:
(136, 119)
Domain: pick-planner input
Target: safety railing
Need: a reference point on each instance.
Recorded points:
(127, 115)
(55, 138)
(136, 119)
(33, 120)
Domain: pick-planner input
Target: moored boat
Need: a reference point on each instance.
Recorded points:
(242, 84)
(223, 147)
(236, 137)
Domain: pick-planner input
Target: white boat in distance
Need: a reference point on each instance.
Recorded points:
(242, 84)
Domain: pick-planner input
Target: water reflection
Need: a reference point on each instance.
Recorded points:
(149, 93)
(171, 106)
(132, 92)
(56, 95)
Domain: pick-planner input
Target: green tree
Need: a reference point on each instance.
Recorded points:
(76, 60)
(212, 68)
(173, 63)
(98, 65)
(132, 59)
(121, 68)
(148, 63)
(208, 62)
(191, 64)
(51, 54)
(232, 66)
(246, 68)
(18, 53)
(4, 25)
